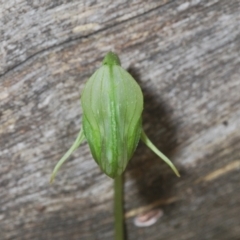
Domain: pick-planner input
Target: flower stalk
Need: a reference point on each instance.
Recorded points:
(118, 208)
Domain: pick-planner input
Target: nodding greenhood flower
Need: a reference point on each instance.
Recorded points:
(112, 104)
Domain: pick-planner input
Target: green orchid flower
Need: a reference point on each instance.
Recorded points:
(112, 104)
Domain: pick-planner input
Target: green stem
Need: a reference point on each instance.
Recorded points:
(118, 208)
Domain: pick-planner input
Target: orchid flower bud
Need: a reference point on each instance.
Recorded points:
(112, 104)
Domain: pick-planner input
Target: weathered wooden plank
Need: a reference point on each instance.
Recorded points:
(30, 27)
(185, 56)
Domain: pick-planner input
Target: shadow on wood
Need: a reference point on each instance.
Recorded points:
(153, 185)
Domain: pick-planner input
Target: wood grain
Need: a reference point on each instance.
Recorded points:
(185, 56)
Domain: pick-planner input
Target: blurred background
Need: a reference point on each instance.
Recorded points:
(185, 55)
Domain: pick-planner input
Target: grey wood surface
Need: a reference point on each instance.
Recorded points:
(186, 57)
